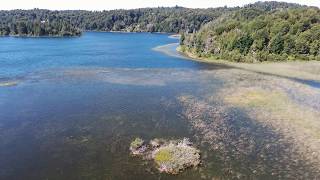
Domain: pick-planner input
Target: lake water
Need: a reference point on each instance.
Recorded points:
(76, 104)
(117, 50)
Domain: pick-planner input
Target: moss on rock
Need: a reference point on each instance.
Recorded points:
(163, 155)
(171, 157)
(137, 146)
(136, 143)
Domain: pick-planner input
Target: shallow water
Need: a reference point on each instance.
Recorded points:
(78, 102)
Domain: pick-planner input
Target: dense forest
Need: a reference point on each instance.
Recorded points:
(256, 34)
(39, 22)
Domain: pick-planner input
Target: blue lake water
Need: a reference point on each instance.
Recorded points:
(121, 50)
(69, 108)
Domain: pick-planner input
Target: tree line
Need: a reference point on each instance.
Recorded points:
(257, 33)
(36, 23)
(39, 22)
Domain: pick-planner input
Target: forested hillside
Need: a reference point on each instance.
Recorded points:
(254, 33)
(39, 22)
(172, 20)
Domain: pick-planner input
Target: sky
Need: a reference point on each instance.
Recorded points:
(128, 4)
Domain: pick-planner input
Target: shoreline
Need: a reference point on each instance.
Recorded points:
(171, 34)
(46, 36)
(170, 50)
(299, 70)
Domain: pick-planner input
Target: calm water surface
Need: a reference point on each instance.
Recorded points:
(118, 50)
(78, 102)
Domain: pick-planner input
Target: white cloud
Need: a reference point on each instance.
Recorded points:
(127, 4)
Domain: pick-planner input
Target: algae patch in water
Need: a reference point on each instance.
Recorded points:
(277, 106)
(298, 124)
(171, 157)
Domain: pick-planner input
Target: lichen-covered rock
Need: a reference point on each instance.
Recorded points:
(174, 157)
(170, 157)
(137, 146)
(155, 143)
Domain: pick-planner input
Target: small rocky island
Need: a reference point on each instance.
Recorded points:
(171, 157)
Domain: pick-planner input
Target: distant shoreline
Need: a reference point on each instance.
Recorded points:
(171, 35)
(45, 36)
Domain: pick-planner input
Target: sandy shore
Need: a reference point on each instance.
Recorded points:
(300, 70)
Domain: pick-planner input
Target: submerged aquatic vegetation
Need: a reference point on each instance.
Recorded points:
(257, 98)
(170, 157)
(244, 147)
(278, 105)
(274, 108)
(8, 83)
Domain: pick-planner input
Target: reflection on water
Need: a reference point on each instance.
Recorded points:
(76, 121)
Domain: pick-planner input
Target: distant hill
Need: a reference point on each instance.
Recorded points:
(272, 5)
(264, 31)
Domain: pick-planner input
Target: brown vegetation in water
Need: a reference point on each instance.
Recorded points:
(255, 128)
(276, 110)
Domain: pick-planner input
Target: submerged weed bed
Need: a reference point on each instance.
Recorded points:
(8, 83)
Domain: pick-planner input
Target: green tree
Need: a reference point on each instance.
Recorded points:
(182, 38)
(315, 48)
(22, 28)
(244, 43)
(303, 43)
(277, 44)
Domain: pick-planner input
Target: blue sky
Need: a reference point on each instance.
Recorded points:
(128, 4)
